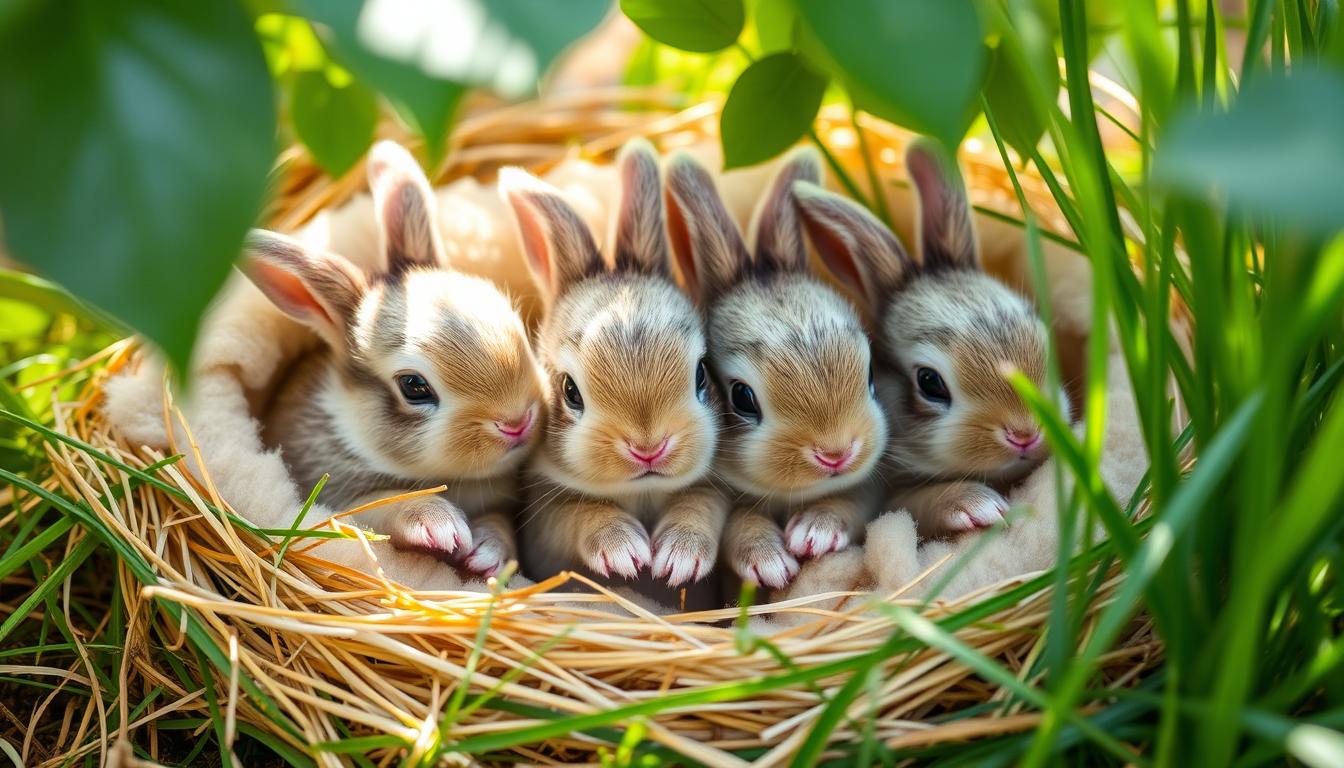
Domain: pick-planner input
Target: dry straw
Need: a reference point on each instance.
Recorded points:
(349, 662)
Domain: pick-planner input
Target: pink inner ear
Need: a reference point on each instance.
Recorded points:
(680, 235)
(534, 237)
(289, 293)
(835, 252)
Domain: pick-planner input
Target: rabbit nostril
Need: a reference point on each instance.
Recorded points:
(645, 454)
(518, 428)
(1022, 440)
(833, 460)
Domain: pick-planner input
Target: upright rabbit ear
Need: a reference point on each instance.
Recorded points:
(321, 290)
(947, 236)
(559, 246)
(705, 241)
(404, 204)
(853, 244)
(640, 234)
(778, 232)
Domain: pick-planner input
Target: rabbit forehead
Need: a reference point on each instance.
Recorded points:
(631, 344)
(792, 331)
(465, 331)
(981, 327)
(632, 317)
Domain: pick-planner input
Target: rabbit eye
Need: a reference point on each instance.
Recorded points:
(872, 383)
(744, 402)
(932, 386)
(572, 397)
(415, 390)
(701, 381)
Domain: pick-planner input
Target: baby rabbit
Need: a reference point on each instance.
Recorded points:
(632, 427)
(426, 377)
(949, 334)
(805, 431)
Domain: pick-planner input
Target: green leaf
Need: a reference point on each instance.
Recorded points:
(775, 21)
(699, 26)
(335, 122)
(1006, 89)
(136, 142)
(1277, 152)
(771, 106)
(423, 56)
(917, 63)
(19, 320)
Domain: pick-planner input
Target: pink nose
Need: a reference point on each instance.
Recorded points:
(516, 430)
(645, 455)
(832, 460)
(1022, 440)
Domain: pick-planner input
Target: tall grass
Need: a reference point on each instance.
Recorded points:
(1237, 563)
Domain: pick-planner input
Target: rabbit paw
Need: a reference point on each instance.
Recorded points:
(974, 507)
(489, 555)
(765, 561)
(432, 525)
(682, 555)
(815, 532)
(620, 547)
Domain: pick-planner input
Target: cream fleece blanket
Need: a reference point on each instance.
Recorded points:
(246, 343)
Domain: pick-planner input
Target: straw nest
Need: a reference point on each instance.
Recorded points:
(339, 662)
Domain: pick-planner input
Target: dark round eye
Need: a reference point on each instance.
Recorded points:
(744, 402)
(932, 386)
(872, 383)
(572, 397)
(701, 381)
(416, 390)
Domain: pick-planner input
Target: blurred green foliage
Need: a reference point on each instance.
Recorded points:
(138, 134)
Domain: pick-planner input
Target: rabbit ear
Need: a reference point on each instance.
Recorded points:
(708, 248)
(321, 290)
(559, 246)
(946, 234)
(640, 233)
(404, 204)
(778, 231)
(853, 244)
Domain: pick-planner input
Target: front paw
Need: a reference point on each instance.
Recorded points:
(620, 547)
(815, 532)
(682, 555)
(973, 507)
(432, 525)
(489, 555)
(765, 561)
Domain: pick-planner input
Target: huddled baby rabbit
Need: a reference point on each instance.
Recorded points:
(426, 377)
(948, 336)
(804, 430)
(618, 483)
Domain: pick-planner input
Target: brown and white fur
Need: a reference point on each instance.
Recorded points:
(803, 428)
(949, 336)
(342, 410)
(632, 428)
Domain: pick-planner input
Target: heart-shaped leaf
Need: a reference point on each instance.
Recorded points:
(423, 55)
(136, 140)
(699, 26)
(771, 106)
(335, 122)
(1006, 90)
(917, 63)
(1278, 151)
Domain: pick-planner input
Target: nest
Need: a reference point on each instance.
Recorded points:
(332, 662)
